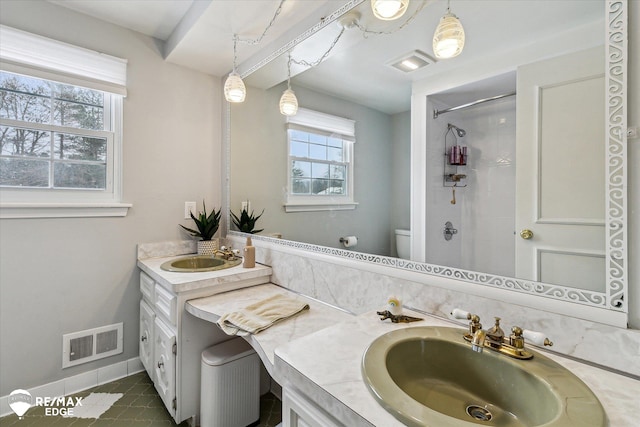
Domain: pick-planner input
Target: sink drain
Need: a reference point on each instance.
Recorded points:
(479, 413)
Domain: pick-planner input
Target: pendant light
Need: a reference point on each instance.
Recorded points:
(448, 40)
(234, 89)
(288, 100)
(388, 10)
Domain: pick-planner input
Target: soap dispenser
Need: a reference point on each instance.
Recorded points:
(249, 255)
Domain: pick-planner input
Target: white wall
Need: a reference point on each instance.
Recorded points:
(64, 275)
(400, 175)
(259, 171)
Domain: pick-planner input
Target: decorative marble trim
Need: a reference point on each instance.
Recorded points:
(616, 143)
(595, 299)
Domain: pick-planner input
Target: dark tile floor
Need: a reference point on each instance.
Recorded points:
(139, 407)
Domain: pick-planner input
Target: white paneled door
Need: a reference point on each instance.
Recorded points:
(560, 172)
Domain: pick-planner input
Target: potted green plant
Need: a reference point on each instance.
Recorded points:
(207, 226)
(246, 222)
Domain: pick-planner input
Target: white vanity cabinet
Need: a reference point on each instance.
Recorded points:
(165, 351)
(299, 411)
(171, 340)
(147, 319)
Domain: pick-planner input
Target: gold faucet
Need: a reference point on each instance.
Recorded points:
(225, 253)
(495, 339)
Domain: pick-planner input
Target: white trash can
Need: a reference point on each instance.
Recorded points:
(230, 385)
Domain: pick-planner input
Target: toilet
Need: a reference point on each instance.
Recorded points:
(403, 243)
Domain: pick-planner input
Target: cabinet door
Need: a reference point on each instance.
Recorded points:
(165, 364)
(147, 318)
(298, 411)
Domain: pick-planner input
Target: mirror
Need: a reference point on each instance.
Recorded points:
(399, 153)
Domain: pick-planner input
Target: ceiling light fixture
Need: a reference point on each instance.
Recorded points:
(448, 40)
(288, 100)
(388, 10)
(234, 89)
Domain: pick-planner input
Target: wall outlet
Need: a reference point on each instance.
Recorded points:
(189, 208)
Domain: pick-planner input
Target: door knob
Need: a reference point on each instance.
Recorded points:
(526, 234)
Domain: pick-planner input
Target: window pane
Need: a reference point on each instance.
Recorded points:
(317, 152)
(300, 186)
(73, 175)
(337, 187)
(24, 142)
(334, 142)
(299, 149)
(78, 115)
(78, 94)
(25, 84)
(23, 98)
(301, 169)
(320, 186)
(77, 147)
(299, 135)
(317, 139)
(334, 154)
(338, 172)
(320, 170)
(24, 173)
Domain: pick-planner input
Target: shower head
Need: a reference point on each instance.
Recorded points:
(460, 132)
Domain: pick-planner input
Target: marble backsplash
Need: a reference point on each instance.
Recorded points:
(359, 291)
(163, 249)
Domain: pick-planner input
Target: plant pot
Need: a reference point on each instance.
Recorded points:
(207, 247)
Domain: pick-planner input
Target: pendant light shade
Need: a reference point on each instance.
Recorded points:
(288, 103)
(388, 10)
(234, 90)
(448, 40)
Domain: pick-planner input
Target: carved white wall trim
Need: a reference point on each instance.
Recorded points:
(616, 163)
(595, 299)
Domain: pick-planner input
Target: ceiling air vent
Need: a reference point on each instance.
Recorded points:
(411, 61)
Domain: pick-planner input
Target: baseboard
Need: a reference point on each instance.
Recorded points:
(80, 382)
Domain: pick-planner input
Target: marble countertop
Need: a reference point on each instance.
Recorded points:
(326, 367)
(320, 352)
(319, 316)
(182, 282)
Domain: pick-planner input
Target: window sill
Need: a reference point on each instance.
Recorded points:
(310, 207)
(63, 210)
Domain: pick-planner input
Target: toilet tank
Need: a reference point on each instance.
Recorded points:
(403, 243)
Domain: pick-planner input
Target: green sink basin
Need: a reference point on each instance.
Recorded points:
(199, 263)
(429, 376)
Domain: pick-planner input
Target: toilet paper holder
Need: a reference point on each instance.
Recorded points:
(349, 241)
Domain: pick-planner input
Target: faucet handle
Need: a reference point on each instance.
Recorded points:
(458, 313)
(537, 338)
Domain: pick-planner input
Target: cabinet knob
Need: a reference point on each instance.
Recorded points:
(526, 234)
(160, 365)
(143, 338)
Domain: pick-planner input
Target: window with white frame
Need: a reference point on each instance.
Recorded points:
(320, 162)
(52, 135)
(60, 129)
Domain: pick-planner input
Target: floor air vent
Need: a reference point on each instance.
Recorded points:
(91, 344)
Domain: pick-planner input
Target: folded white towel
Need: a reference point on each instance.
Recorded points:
(261, 315)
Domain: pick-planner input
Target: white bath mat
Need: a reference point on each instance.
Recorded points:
(94, 405)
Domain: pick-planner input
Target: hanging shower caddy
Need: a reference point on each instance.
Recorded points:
(455, 156)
